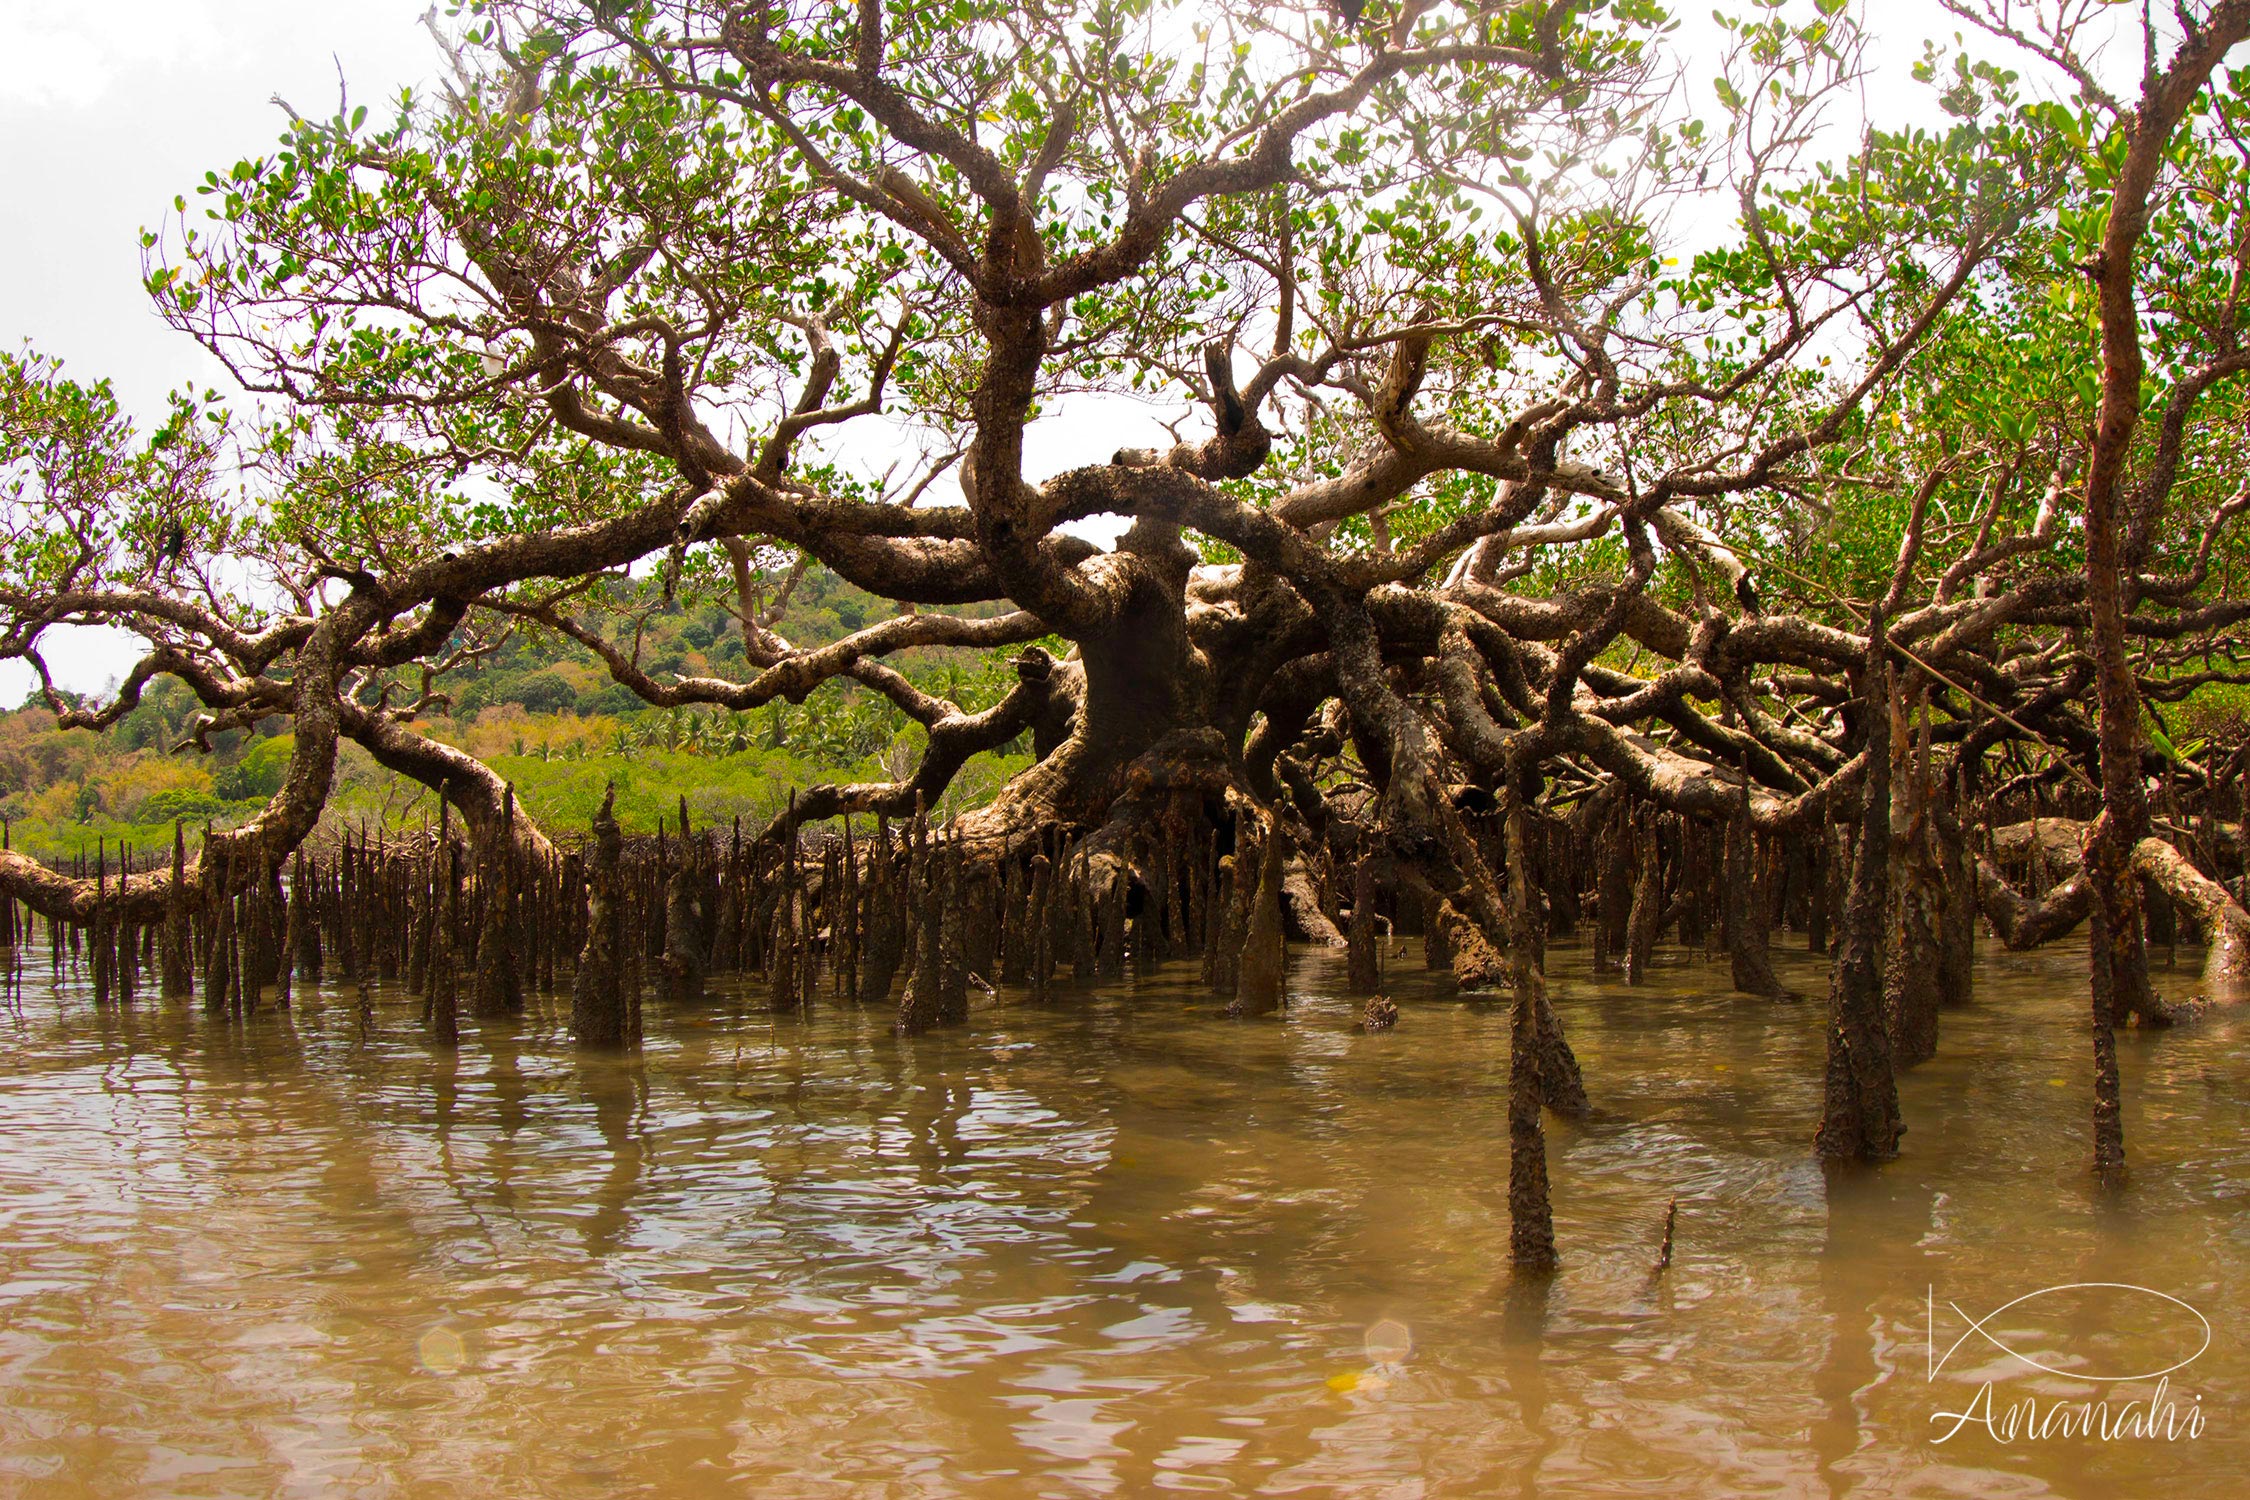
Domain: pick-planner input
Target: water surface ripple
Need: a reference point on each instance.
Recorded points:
(1111, 1246)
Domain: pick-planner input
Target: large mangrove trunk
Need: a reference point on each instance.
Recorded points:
(1913, 964)
(1859, 1102)
(1647, 916)
(1531, 1217)
(599, 1013)
(499, 978)
(1258, 975)
(684, 957)
(1749, 908)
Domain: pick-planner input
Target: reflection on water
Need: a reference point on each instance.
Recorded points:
(1112, 1246)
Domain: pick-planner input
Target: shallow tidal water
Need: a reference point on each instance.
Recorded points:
(1115, 1245)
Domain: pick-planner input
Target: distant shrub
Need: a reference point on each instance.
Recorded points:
(544, 693)
(143, 729)
(180, 804)
(609, 698)
(257, 775)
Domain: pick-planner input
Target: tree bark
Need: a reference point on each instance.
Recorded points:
(1913, 964)
(1859, 1111)
(1648, 903)
(1258, 987)
(1531, 1218)
(1749, 924)
(598, 1013)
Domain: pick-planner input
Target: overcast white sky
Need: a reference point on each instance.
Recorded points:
(111, 108)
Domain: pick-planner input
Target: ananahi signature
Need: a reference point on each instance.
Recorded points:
(2160, 1415)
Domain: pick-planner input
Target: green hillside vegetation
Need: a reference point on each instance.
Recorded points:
(539, 709)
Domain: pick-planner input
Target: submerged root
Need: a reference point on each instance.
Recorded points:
(1258, 984)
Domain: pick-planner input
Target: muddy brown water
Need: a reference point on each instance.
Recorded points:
(1117, 1245)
